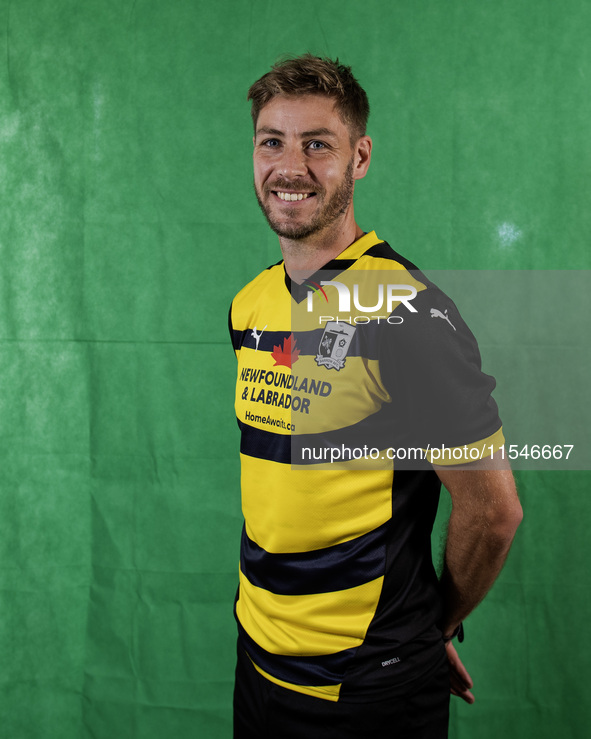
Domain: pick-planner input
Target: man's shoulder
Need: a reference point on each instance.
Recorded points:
(382, 252)
(273, 277)
(426, 301)
(381, 256)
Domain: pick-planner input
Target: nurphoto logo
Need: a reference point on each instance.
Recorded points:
(394, 294)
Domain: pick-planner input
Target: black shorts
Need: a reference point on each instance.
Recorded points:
(263, 710)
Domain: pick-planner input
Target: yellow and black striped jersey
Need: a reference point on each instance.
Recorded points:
(348, 384)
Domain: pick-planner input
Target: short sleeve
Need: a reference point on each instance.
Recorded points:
(431, 366)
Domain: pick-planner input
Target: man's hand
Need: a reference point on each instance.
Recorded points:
(459, 680)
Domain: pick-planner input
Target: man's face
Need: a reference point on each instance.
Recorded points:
(304, 170)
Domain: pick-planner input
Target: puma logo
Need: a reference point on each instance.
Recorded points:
(438, 314)
(256, 335)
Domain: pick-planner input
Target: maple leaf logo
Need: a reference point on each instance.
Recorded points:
(288, 355)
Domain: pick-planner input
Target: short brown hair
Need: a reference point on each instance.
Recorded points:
(312, 75)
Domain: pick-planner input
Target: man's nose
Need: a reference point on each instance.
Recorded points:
(293, 163)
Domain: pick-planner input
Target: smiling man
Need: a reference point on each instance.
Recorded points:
(305, 177)
(344, 628)
(306, 161)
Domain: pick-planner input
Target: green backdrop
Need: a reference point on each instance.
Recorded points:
(128, 223)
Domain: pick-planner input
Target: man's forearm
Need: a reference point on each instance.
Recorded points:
(485, 515)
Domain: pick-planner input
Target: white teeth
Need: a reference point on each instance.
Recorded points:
(292, 195)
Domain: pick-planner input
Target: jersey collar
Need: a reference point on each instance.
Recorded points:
(339, 264)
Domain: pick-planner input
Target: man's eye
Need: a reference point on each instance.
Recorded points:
(271, 143)
(316, 145)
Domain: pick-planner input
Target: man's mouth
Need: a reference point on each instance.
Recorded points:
(292, 196)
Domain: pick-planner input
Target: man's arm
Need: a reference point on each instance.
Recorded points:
(485, 515)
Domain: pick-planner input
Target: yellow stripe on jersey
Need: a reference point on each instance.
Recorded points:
(328, 692)
(259, 298)
(256, 375)
(289, 511)
(353, 397)
(307, 625)
(270, 389)
(347, 458)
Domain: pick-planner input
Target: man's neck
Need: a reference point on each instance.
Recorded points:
(303, 257)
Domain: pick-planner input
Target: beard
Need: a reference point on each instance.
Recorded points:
(327, 210)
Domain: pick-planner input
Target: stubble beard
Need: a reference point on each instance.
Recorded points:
(326, 216)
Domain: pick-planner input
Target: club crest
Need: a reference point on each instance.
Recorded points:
(334, 345)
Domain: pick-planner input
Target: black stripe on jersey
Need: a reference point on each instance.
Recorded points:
(267, 342)
(375, 432)
(238, 337)
(264, 444)
(327, 669)
(308, 342)
(339, 567)
(275, 447)
(365, 342)
(230, 327)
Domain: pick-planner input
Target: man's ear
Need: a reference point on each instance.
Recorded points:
(362, 157)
